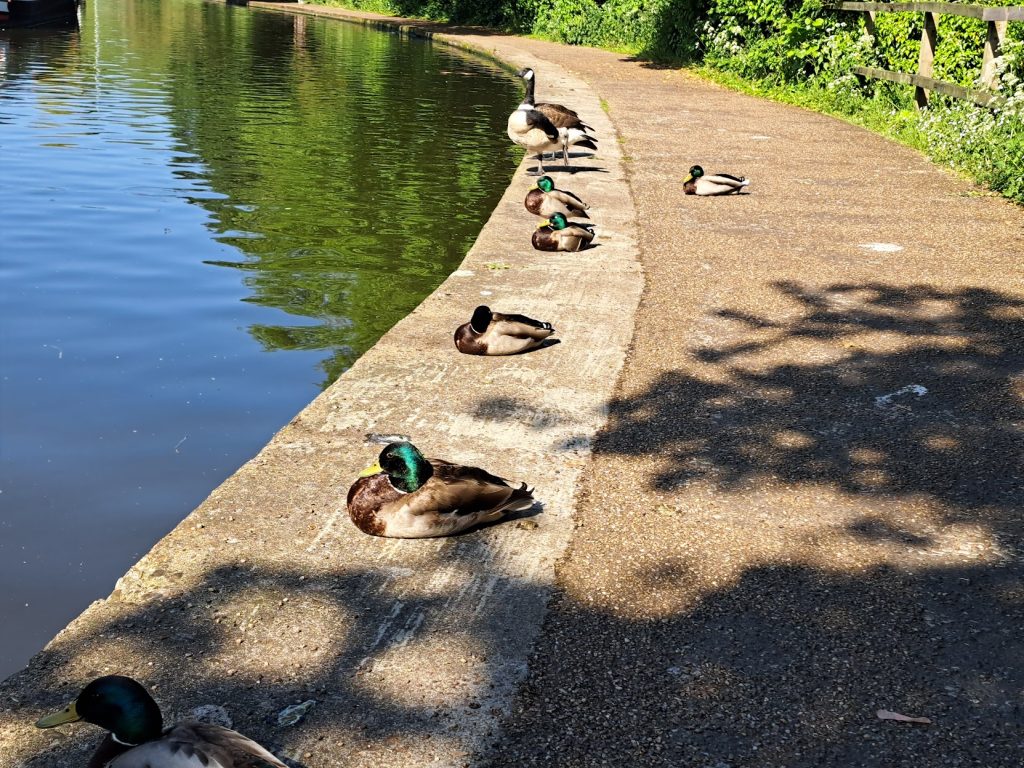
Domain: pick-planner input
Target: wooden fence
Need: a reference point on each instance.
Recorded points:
(923, 81)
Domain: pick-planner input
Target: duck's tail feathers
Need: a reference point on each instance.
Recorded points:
(520, 500)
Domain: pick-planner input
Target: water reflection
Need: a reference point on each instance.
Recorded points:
(347, 166)
(189, 186)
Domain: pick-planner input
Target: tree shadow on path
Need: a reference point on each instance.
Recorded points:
(861, 457)
(916, 390)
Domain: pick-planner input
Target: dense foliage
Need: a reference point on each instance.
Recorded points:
(798, 50)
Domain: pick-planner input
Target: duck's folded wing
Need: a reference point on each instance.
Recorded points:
(198, 745)
(520, 326)
(459, 490)
(579, 231)
(727, 179)
(568, 199)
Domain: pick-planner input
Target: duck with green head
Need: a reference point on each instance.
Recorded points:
(698, 183)
(545, 200)
(407, 496)
(558, 234)
(137, 738)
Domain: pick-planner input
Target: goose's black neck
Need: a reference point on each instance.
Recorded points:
(529, 92)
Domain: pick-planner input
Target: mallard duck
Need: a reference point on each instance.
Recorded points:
(489, 333)
(544, 200)
(557, 234)
(696, 183)
(406, 496)
(137, 738)
(546, 127)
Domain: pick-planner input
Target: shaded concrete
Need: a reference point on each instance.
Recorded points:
(267, 596)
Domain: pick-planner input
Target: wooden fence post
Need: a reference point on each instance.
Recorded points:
(993, 49)
(869, 24)
(929, 33)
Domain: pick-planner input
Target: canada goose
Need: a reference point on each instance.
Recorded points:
(546, 127)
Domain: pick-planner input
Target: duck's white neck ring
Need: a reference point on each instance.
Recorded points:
(122, 743)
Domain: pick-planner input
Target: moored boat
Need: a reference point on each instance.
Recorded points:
(36, 13)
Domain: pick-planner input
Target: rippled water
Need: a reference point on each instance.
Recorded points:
(207, 214)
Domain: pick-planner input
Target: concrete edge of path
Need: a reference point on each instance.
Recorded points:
(266, 595)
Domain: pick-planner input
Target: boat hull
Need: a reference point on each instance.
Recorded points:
(36, 13)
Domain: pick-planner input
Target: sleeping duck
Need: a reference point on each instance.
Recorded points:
(696, 183)
(544, 200)
(557, 234)
(406, 496)
(536, 127)
(137, 739)
(489, 333)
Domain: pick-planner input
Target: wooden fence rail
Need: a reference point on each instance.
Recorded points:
(923, 81)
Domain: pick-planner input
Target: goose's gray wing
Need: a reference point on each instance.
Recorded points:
(562, 116)
(198, 745)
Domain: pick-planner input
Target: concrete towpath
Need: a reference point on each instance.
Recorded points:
(805, 506)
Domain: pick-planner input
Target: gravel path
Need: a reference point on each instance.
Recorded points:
(807, 503)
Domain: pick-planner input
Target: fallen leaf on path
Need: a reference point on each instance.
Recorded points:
(885, 714)
(293, 715)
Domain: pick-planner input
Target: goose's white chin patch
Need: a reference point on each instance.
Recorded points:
(528, 75)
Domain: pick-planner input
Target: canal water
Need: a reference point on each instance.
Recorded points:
(206, 214)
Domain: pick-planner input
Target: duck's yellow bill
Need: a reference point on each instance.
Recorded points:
(373, 470)
(545, 223)
(67, 715)
(689, 177)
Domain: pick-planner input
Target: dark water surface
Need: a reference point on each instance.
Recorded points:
(206, 214)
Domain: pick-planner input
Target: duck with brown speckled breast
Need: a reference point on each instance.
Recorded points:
(491, 333)
(545, 200)
(558, 234)
(137, 738)
(406, 496)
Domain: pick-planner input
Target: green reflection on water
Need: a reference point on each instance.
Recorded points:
(353, 169)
